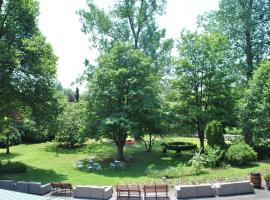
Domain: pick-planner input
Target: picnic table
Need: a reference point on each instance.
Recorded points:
(117, 163)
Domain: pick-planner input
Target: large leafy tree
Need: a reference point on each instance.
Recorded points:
(202, 92)
(122, 92)
(27, 64)
(255, 107)
(246, 23)
(131, 21)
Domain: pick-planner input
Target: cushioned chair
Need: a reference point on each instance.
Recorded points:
(194, 191)
(21, 186)
(7, 184)
(234, 188)
(93, 192)
(38, 188)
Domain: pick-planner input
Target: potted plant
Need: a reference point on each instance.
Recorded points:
(267, 180)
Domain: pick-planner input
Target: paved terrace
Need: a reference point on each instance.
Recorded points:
(260, 194)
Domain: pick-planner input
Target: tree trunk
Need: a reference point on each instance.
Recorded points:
(120, 143)
(7, 151)
(1, 4)
(200, 130)
(248, 50)
(249, 56)
(120, 152)
(7, 144)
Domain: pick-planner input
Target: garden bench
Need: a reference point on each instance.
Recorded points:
(66, 187)
(56, 186)
(130, 190)
(155, 189)
(60, 187)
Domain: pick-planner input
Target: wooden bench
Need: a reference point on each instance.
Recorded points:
(129, 190)
(155, 189)
(61, 187)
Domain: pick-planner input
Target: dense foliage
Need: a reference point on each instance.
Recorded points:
(11, 167)
(27, 66)
(71, 125)
(123, 94)
(214, 134)
(267, 178)
(255, 107)
(202, 90)
(213, 156)
(240, 153)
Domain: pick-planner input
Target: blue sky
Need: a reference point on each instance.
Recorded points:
(60, 24)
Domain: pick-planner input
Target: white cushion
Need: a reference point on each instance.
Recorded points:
(186, 191)
(244, 187)
(82, 191)
(205, 190)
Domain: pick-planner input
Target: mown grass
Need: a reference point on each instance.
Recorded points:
(47, 163)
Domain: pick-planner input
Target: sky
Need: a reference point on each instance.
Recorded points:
(60, 24)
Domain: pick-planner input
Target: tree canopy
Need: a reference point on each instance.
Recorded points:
(27, 63)
(122, 93)
(202, 91)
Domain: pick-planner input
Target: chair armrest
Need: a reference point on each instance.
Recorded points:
(252, 187)
(44, 189)
(108, 191)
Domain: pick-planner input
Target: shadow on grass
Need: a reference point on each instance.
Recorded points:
(61, 150)
(4, 156)
(36, 174)
(251, 165)
(141, 161)
(86, 148)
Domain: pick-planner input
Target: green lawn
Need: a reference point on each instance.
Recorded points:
(46, 164)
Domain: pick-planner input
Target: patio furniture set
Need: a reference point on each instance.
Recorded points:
(96, 167)
(91, 165)
(154, 191)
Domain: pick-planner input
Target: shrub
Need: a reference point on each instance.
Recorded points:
(263, 151)
(213, 156)
(31, 133)
(267, 178)
(240, 153)
(170, 172)
(13, 139)
(197, 162)
(72, 126)
(10, 167)
(214, 134)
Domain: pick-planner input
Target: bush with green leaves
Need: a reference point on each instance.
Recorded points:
(11, 167)
(71, 123)
(267, 178)
(197, 163)
(14, 139)
(240, 153)
(213, 156)
(30, 133)
(215, 134)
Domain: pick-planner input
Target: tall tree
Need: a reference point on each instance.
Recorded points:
(77, 94)
(130, 21)
(255, 107)
(27, 63)
(247, 26)
(122, 88)
(201, 91)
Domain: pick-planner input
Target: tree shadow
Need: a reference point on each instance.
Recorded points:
(251, 165)
(61, 150)
(36, 175)
(4, 156)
